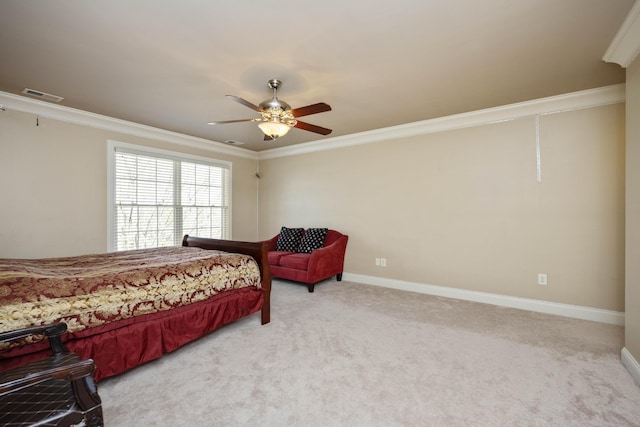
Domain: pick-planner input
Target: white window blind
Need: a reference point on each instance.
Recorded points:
(160, 197)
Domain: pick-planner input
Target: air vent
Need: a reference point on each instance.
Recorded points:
(233, 142)
(42, 95)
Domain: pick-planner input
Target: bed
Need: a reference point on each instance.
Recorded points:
(126, 308)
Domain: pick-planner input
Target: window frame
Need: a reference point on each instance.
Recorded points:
(112, 147)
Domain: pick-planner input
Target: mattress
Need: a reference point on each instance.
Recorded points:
(93, 290)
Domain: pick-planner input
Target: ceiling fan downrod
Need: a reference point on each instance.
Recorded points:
(274, 84)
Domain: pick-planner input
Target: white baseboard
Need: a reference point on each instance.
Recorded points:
(631, 364)
(567, 310)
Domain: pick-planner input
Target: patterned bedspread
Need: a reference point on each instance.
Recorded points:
(93, 290)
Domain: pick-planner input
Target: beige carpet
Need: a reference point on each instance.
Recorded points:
(357, 355)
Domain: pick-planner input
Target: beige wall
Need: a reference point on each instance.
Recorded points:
(463, 208)
(53, 186)
(459, 208)
(632, 315)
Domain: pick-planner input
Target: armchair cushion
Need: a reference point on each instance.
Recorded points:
(289, 239)
(274, 257)
(295, 261)
(312, 239)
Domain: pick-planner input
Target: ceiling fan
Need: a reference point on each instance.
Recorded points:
(277, 117)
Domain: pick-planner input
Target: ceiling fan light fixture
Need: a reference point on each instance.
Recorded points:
(274, 128)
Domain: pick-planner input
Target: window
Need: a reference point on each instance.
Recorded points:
(156, 197)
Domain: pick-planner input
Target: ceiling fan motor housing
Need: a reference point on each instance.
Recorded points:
(274, 103)
(275, 110)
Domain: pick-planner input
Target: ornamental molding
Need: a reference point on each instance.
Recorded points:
(567, 102)
(626, 44)
(98, 121)
(606, 95)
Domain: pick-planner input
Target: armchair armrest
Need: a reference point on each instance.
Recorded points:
(271, 243)
(53, 332)
(329, 258)
(69, 367)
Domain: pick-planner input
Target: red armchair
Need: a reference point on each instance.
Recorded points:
(310, 268)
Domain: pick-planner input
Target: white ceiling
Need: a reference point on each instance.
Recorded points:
(169, 63)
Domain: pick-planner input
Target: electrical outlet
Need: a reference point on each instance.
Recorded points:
(542, 279)
(378, 262)
(383, 262)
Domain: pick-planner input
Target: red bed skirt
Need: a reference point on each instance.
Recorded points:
(122, 345)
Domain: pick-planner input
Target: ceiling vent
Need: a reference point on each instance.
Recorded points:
(42, 95)
(233, 142)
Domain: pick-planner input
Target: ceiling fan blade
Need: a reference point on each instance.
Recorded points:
(232, 121)
(320, 107)
(245, 103)
(312, 128)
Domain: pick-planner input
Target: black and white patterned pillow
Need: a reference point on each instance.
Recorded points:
(289, 239)
(313, 239)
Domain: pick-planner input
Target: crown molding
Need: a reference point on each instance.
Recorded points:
(85, 118)
(626, 44)
(560, 103)
(572, 101)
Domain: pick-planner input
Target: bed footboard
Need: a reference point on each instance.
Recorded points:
(257, 250)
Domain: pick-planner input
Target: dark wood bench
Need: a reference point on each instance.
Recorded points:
(59, 389)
